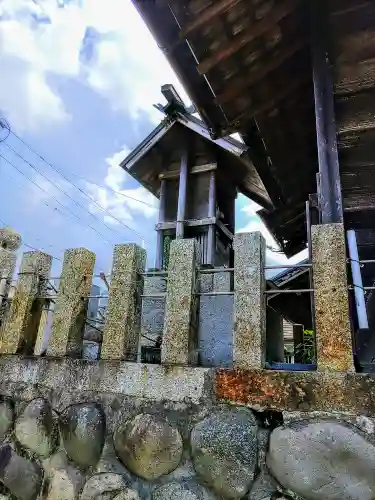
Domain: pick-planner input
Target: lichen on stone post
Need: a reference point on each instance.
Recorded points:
(20, 331)
(333, 332)
(10, 242)
(71, 303)
(123, 318)
(249, 331)
(179, 346)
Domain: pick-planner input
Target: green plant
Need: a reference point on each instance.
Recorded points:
(306, 350)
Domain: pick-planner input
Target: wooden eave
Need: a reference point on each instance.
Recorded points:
(247, 67)
(160, 150)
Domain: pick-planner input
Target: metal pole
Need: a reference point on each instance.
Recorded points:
(211, 213)
(182, 195)
(160, 234)
(359, 294)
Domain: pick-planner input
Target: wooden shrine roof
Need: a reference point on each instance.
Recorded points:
(161, 151)
(246, 65)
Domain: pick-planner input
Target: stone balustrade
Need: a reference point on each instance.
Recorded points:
(182, 303)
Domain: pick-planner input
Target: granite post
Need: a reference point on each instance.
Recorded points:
(71, 303)
(333, 332)
(249, 333)
(123, 318)
(9, 244)
(179, 346)
(20, 331)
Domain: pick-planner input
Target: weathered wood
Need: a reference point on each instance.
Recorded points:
(354, 77)
(207, 15)
(170, 174)
(198, 169)
(329, 172)
(356, 113)
(160, 235)
(240, 84)
(253, 32)
(182, 191)
(212, 214)
(207, 221)
(264, 105)
(224, 229)
(207, 167)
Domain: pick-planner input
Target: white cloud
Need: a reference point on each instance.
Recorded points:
(125, 204)
(127, 67)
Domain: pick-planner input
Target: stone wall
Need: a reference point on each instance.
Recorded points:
(72, 429)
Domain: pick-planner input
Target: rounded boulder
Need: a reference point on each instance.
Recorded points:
(106, 485)
(224, 451)
(6, 418)
(323, 460)
(35, 428)
(148, 446)
(83, 432)
(183, 491)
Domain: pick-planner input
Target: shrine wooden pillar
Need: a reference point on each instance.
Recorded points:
(160, 234)
(182, 191)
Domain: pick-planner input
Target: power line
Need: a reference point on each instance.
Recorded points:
(27, 245)
(57, 201)
(75, 201)
(79, 176)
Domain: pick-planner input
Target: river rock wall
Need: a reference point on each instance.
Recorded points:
(159, 433)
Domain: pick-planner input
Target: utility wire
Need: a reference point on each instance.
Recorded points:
(57, 201)
(79, 176)
(27, 245)
(75, 201)
(81, 191)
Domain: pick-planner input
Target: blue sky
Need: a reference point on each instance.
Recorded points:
(78, 82)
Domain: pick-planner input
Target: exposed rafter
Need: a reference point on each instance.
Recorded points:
(243, 83)
(207, 15)
(264, 105)
(258, 29)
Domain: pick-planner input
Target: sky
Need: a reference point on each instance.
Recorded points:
(78, 82)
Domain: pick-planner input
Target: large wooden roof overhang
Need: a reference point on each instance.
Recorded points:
(246, 64)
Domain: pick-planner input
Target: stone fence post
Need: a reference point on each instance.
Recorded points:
(71, 303)
(9, 244)
(123, 318)
(179, 345)
(333, 331)
(249, 333)
(20, 330)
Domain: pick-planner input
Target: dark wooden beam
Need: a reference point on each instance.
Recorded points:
(182, 194)
(329, 172)
(160, 235)
(244, 38)
(239, 85)
(300, 82)
(356, 113)
(354, 77)
(258, 155)
(207, 15)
